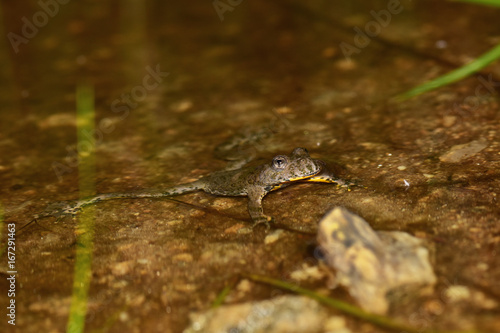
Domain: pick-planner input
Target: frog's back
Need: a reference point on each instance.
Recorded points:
(230, 183)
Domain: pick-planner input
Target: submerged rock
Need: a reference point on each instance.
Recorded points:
(458, 153)
(373, 265)
(284, 314)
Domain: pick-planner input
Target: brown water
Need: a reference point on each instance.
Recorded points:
(173, 81)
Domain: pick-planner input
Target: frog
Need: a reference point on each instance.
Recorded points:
(255, 182)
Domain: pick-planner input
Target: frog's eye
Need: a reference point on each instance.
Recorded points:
(280, 162)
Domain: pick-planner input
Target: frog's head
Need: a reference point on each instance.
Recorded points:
(283, 169)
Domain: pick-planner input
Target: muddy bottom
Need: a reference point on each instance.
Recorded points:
(173, 82)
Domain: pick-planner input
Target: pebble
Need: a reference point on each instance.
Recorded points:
(458, 153)
(274, 236)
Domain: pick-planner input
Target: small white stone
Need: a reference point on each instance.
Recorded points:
(124, 316)
(457, 293)
(274, 236)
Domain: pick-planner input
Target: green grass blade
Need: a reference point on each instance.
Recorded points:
(85, 228)
(494, 3)
(453, 76)
(336, 304)
(221, 297)
(350, 309)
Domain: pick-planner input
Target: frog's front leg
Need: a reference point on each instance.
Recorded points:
(255, 196)
(326, 176)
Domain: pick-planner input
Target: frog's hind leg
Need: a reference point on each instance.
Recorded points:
(183, 188)
(73, 207)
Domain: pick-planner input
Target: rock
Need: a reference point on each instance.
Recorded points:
(274, 236)
(283, 314)
(460, 152)
(372, 265)
(122, 268)
(458, 293)
(336, 324)
(306, 273)
(58, 119)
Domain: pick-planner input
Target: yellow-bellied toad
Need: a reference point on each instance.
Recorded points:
(254, 182)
